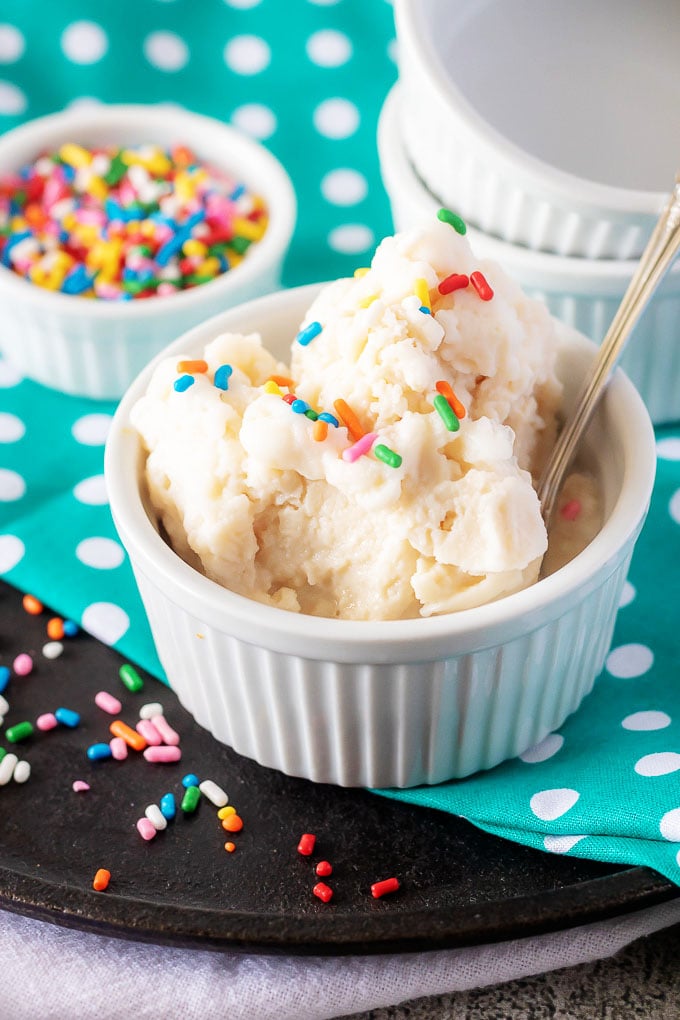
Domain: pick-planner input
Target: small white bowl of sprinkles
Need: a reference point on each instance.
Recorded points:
(336, 545)
(121, 226)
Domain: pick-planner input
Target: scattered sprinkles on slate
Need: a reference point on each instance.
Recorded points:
(125, 223)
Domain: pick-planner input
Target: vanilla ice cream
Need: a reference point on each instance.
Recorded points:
(434, 378)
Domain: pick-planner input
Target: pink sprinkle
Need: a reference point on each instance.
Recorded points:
(146, 829)
(149, 732)
(163, 754)
(80, 786)
(46, 722)
(165, 729)
(571, 510)
(163, 289)
(23, 664)
(119, 748)
(359, 448)
(108, 703)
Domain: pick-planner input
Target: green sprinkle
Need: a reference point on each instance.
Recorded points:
(22, 731)
(3, 752)
(190, 800)
(446, 216)
(239, 244)
(443, 409)
(130, 677)
(116, 171)
(387, 456)
(133, 286)
(311, 414)
(197, 278)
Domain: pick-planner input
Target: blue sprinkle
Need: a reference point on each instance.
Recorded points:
(190, 780)
(330, 418)
(183, 383)
(425, 310)
(222, 374)
(98, 752)
(14, 239)
(4, 677)
(70, 628)
(306, 335)
(299, 406)
(67, 717)
(168, 806)
(77, 281)
(237, 192)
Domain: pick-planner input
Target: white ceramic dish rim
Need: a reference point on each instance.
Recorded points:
(411, 15)
(44, 131)
(412, 640)
(569, 267)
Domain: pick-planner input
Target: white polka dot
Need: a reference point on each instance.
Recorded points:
(11, 428)
(247, 54)
(242, 4)
(551, 804)
(105, 621)
(12, 550)
(344, 187)
(92, 429)
(628, 661)
(9, 375)
(351, 238)
(658, 764)
(100, 553)
(336, 118)
(255, 119)
(12, 486)
(92, 491)
(561, 844)
(669, 826)
(324, 3)
(84, 103)
(649, 720)
(12, 99)
(393, 50)
(627, 595)
(546, 749)
(166, 50)
(12, 44)
(84, 42)
(668, 448)
(674, 507)
(329, 48)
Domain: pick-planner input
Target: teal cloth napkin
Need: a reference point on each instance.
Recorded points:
(308, 79)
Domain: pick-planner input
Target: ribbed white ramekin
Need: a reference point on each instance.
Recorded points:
(95, 348)
(583, 293)
(386, 703)
(475, 167)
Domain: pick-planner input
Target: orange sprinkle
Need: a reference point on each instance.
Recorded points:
(230, 847)
(320, 430)
(282, 380)
(224, 812)
(32, 605)
(349, 419)
(192, 366)
(55, 628)
(233, 823)
(101, 880)
(131, 737)
(446, 391)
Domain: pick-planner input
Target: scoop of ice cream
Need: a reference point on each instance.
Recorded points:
(252, 491)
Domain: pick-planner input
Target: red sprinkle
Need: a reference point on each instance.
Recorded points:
(479, 282)
(571, 510)
(388, 885)
(306, 844)
(323, 891)
(324, 869)
(456, 281)
(289, 397)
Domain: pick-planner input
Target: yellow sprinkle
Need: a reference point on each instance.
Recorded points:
(209, 267)
(75, 155)
(365, 302)
(271, 387)
(18, 223)
(148, 228)
(422, 292)
(97, 188)
(194, 247)
(226, 812)
(362, 271)
(246, 228)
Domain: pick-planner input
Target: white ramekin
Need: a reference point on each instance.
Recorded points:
(470, 152)
(96, 348)
(583, 293)
(386, 703)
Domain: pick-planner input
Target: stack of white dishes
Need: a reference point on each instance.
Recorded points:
(552, 129)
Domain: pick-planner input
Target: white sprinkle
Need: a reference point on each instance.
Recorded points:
(156, 817)
(4, 705)
(53, 649)
(213, 792)
(22, 771)
(150, 710)
(7, 766)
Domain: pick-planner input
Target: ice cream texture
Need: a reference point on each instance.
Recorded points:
(263, 499)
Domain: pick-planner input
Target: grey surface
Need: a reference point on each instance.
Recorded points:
(642, 982)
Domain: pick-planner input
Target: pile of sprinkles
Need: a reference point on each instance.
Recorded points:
(127, 223)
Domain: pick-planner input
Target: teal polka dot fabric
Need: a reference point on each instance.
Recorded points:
(308, 80)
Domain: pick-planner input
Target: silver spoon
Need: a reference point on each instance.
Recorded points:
(661, 249)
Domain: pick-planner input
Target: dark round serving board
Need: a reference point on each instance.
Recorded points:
(459, 886)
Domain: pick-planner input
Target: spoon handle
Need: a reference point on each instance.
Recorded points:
(661, 249)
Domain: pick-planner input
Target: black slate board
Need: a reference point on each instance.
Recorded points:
(459, 886)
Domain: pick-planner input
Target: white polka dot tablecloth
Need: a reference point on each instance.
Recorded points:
(308, 78)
